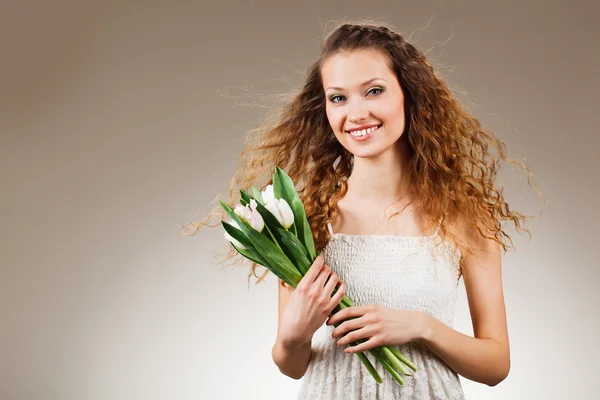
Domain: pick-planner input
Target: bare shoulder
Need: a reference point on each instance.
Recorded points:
(342, 209)
(478, 237)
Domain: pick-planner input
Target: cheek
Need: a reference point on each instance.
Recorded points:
(393, 114)
(335, 120)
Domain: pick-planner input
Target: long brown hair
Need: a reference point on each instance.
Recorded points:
(451, 165)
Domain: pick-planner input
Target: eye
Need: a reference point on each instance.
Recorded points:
(332, 98)
(375, 89)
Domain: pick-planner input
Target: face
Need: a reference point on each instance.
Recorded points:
(364, 102)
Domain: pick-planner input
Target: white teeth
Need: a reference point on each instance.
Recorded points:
(363, 132)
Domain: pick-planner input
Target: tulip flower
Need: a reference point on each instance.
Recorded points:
(282, 211)
(243, 212)
(251, 215)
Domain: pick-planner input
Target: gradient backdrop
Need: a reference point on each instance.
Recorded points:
(122, 120)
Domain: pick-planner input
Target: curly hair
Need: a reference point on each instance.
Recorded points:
(451, 165)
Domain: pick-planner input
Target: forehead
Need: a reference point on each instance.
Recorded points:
(351, 68)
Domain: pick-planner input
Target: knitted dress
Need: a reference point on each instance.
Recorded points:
(391, 271)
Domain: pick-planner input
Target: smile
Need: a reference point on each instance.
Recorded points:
(363, 134)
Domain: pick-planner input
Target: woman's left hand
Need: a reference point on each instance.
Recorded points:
(381, 326)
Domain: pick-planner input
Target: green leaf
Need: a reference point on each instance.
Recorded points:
(252, 256)
(278, 261)
(304, 231)
(237, 234)
(294, 249)
(250, 253)
(245, 197)
(283, 188)
(267, 232)
(257, 195)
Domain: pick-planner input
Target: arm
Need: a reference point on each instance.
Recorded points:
(292, 359)
(484, 358)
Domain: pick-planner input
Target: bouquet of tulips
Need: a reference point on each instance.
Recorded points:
(271, 229)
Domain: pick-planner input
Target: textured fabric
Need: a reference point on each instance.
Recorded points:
(402, 272)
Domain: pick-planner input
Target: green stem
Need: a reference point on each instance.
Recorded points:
(393, 360)
(363, 358)
(388, 356)
(382, 359)
(402, 358)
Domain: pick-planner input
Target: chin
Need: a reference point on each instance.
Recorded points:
(365, 153)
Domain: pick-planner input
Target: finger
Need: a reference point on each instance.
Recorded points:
(348, 326)
(364, 346)
(337, 297)
(346, 313)
(313, 271)
(322, 277)
(362, 333)
(316, 267)
(331, 284)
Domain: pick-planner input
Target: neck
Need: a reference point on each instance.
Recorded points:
(382, 179)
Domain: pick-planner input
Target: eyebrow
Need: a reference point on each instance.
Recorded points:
(362, 84)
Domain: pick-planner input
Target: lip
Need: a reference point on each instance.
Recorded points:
(360, 128)
(367, 136)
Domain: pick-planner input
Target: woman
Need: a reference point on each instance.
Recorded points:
(399, 187)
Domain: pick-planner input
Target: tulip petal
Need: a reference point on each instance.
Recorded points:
(256, 220)
(268, 194)
(272, 207)
(286, 213)
(243, 212)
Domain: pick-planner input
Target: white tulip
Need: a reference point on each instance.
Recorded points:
(256, 220)
(243, 212)
(268, 195)
(250, 215)
(282, 211)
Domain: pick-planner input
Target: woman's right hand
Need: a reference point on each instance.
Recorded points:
(310, 304)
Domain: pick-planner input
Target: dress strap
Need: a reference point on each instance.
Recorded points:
(330, 228)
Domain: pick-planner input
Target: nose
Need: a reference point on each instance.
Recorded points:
(358, 111)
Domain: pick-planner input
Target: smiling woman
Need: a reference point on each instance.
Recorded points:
(359, 110)
(375, 127)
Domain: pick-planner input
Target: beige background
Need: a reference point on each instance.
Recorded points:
(114, 132)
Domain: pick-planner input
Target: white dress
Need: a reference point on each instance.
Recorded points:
(393, 272)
